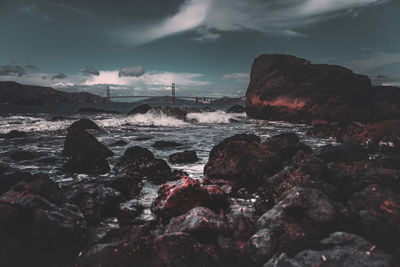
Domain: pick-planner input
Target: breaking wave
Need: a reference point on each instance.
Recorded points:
(215, 117)
(148, 119)
(30, 124)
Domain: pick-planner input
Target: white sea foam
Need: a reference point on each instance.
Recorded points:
(148, 119)
(215, 117)
(30, 124)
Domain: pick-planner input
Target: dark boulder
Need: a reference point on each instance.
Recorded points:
(288, 88)
(142, 109)
(83, 124)
(138, 160)
(87, 162)
(349, 151)
(119, 143)
(286, 145)
(166, 144)
(200, 222)
(191, 110)
(174, 112)
(95, 200)
(178, 197)
(378, 209)
(339, 249)
(236, 109)
(241, 161)
(180, 249)
(303, 216)
(184, 157)
(37, 229)
(22, 155)
(8, 180)
(128, 186)
(306, 171)
(14, 134)
(80, 142)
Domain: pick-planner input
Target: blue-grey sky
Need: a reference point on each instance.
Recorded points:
(205, 46)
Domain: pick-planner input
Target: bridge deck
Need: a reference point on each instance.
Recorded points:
(145, 96)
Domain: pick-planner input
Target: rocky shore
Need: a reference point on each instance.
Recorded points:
(273, 202)
(263, 201)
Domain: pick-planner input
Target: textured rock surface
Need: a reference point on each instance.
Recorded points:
(288, 88)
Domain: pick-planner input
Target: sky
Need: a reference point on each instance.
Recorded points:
(139, 47)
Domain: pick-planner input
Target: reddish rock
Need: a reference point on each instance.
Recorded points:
(243, 160)
(176, 198)
(180, 249)
(201, 222)
(288, 88)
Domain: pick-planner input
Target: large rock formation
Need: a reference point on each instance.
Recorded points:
(288, 88)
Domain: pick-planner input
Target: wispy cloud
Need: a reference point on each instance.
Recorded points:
(237, 76)
(34, 11)
(90, 70)
(375, 61)
(132, 71)
(211, 17)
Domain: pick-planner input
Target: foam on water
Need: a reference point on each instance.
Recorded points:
(148, 119)
(30, 124)
(215, 117)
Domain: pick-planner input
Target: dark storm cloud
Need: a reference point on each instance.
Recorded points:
(11, 70)
(59, 76)
(132, 71)
(90, 70)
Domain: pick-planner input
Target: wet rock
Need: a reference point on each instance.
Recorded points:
(142, 161)
(178, 197)
(119, 143)
(241, 220)
(95, 200)
(83, 124)
(349, 151)
(4, 168)
(208, 109)
(142, 109)
(36, 228)
(339, 249)
(87, 162)
(123, 251)
(8, 180)
(184, 157)
(378, 209)
(236, 109)
(81, 142)
(166, 144)
(242, 160)
(128, 186)
(288, 88)
(14, 134)
(306, 171)
(174, 112)
(128, 212)
(286, 145)
(201, 222)
(180, 249)
(22, 155)
(303, 216)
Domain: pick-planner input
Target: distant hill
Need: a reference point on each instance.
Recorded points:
(20, 94)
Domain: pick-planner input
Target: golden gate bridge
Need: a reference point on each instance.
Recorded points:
(197, 99)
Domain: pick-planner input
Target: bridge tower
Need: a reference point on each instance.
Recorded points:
(173, 93)
(108, 94)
